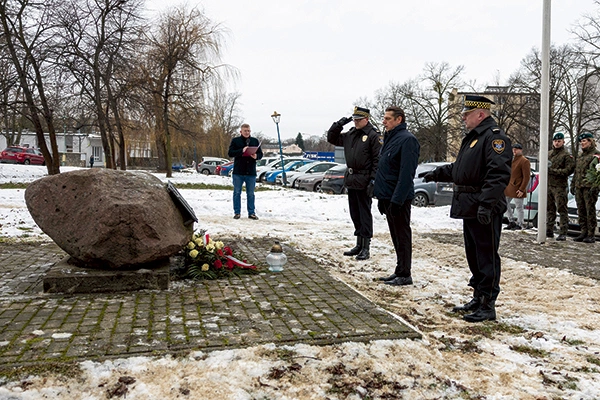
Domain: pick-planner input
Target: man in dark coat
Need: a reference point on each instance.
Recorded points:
(361, 149)
(561, 165)
(480, 173)
(245, 150)
(394, 189)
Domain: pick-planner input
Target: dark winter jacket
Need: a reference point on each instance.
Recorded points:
(481, 171)
(561, 166)
(244, 165)
(397, 165)
(361, 149)
(581, 167)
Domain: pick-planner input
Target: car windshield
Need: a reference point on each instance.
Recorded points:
(305, 167)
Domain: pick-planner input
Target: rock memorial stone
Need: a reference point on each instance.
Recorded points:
(108, 219)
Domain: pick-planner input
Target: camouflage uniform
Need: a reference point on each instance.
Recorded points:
(562, 165)
(585, 195)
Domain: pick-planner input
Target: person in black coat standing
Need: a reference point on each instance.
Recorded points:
(480, 174)
(361, 149)
(394, 189)
(245, 150)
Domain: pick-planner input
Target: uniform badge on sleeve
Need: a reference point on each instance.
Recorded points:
(499, 146)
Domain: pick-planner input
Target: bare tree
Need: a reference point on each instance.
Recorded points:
(28, 30)
(182, 58)
(425, 101)
(99, 39)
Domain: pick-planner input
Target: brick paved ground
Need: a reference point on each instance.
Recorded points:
(303, 303)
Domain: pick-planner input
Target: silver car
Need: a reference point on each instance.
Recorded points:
(209, 164)
(425, 191)
(308, 169)
(311, 180)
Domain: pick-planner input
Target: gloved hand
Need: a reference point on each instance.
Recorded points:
(572, 190)
(370, 188)
(429, 177)
(381, 207)
(343, 121)
(484, 215)
(394, 209)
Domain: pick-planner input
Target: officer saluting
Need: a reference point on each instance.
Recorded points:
(361, 149)
(480, 173)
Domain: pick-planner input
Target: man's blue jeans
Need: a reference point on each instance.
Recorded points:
(238, 181)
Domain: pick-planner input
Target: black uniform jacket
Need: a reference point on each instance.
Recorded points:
(481, 171)
(397, 165)
(244, 165)
(361, 149)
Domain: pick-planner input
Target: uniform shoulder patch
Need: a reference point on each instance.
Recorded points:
(499, 145)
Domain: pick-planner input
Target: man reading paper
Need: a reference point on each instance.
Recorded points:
(245, 150)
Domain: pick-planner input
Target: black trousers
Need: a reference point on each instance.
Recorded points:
(360, 212)
(481, 246)
(401, 234)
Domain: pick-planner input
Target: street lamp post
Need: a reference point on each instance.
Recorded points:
(276, 117)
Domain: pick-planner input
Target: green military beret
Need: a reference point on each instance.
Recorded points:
(585, 135)
(558, 136)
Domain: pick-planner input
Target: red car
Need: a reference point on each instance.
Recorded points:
(22, 155)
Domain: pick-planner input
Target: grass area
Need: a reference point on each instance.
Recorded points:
(66, 369)
(533, 352)
(217, 187)
(12, 185)
(197, 186)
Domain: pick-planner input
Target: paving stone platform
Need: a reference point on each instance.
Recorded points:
(301, 304)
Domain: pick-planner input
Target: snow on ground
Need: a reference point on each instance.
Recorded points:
(545, 345)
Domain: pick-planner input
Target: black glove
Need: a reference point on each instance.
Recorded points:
(429, 177)
(394, 209)
(381, 207)
(484, 215)
(343, 121)
(573, 190)
(370, 188)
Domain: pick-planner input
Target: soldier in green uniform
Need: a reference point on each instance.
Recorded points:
(561, 166)
(585, 194)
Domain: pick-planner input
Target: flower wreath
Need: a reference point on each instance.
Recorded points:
(206, 258)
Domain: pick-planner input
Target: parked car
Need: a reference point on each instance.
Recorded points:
(209, 165)
(313, 179)
(267, 160)
(225, 169)
(177, 166)
(22, 155)
(425, 191)
(574, 218)
(261, 172)
(318, 167)
(333, 180)
(289, 166)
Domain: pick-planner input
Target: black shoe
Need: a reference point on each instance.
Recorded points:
(561, 238)
(589, 239)
(364, 251)
(356, 249)
(236, 216)
(510, 226)
(470, 306)
(549, 234)
(485, 312)
(400, 281)
(580, 237)
(387, 278)
(253, 216)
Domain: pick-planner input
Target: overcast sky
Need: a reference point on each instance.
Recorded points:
(311, 60)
